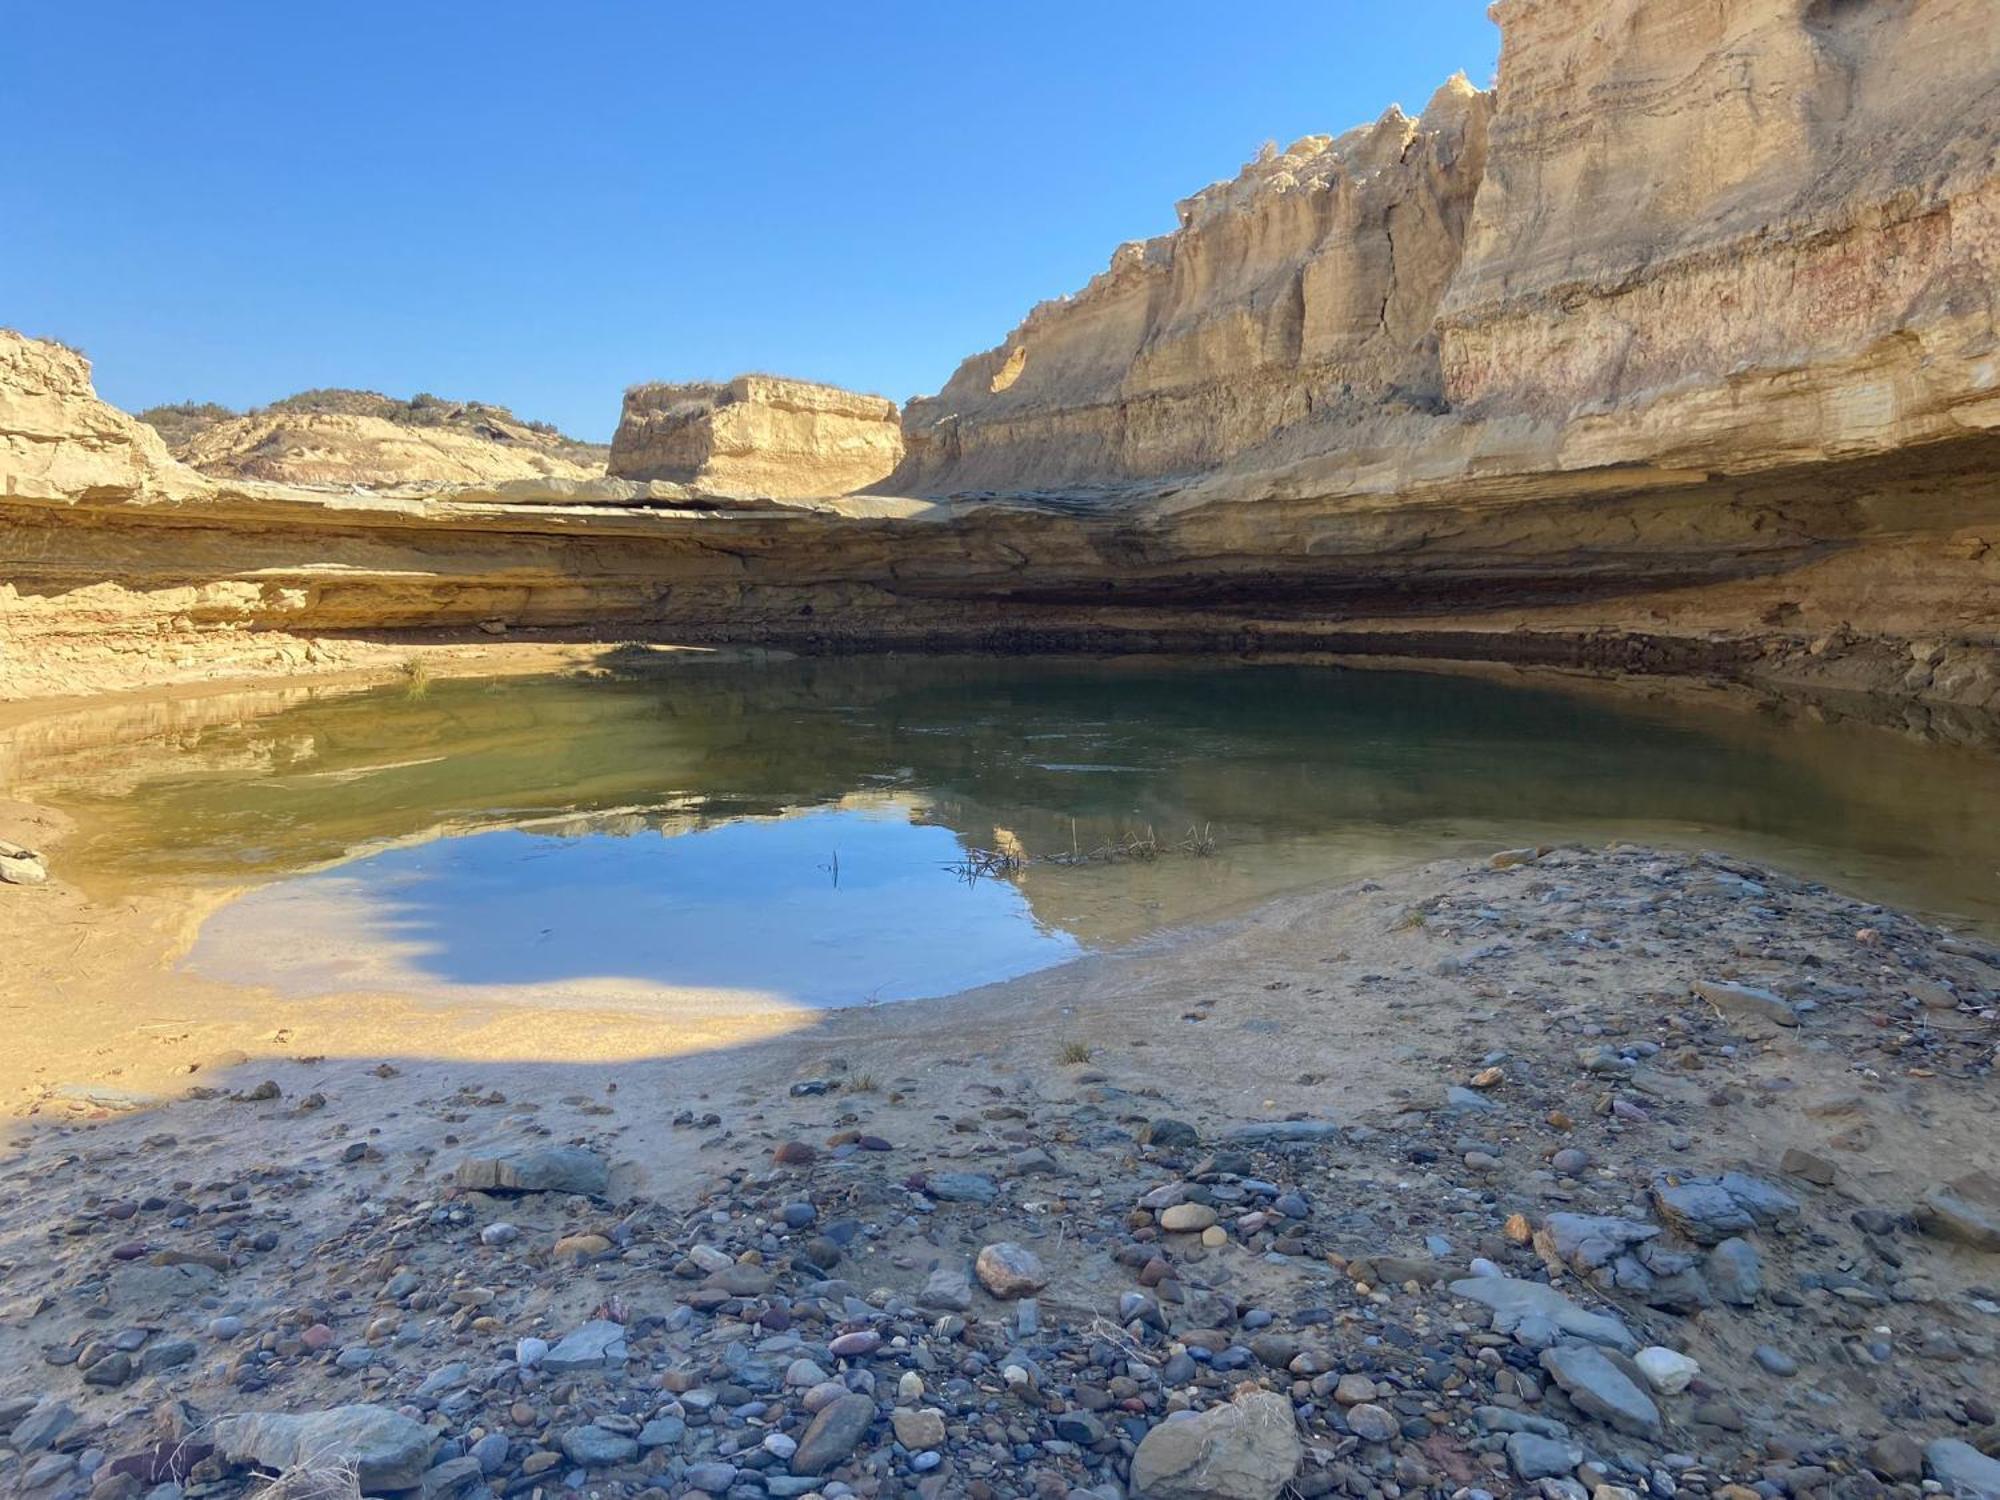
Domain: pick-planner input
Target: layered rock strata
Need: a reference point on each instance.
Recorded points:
(757, 435)
(1677, 352)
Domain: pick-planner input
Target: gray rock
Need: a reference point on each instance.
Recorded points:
(1584, 1242)
(451, 1476)
(46, 1470)
(713, 1477)
(1745, 1002)
(549, 1169)
(1279, 1130)
(443, 1379)
(1963, 1470)
(1532, 1456)
(1169, 1135)
(597, 1447)
(491, 1451)
(1966, 1209)
(1709, 1210)
(839, 1426)
(1008, 1270)
(662, 1432)
(1459, 1100)
(168, 1354)
(1596, 1386)
(947, 1290)
(1513, 1301)
(1372, 1423)
(1736, 1272)
(148, 1286)
(1247, 1450)
(591, 1347)
(962, 1187)
(1774, 1359)
(46, 1421)
(386, 1450)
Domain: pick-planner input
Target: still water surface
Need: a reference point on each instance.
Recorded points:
(796, 831)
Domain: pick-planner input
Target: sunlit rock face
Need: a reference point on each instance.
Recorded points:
(1682, 191)
(1307, 285)
(1675, 352)
(1676, 231)
(759, 435)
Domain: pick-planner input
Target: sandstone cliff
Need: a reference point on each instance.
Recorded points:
(1306, 290)
(757, 435)
(1677, 352)
(362, 438)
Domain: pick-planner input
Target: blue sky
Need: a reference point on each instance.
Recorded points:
(540, 204)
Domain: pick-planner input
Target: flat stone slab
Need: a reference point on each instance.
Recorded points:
(1596, 1386)
(1746, 1002)
(1513, 1301)
(551, 1169)
(591, 1347)
(1965, 1472)
(1966, 1209)
(1279, 1130)
(387, 1450)
(1709, 1210)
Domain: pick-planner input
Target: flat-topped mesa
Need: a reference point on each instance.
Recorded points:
(1307, 285)
(757, 435)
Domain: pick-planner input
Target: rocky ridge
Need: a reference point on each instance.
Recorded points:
(362, 439)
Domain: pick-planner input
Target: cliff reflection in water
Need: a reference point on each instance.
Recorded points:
(1301, 773)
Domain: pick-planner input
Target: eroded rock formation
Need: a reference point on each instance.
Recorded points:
(1677, 352)
(360, 438)
(757, 435)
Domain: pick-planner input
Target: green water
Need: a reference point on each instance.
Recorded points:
(1274, 776)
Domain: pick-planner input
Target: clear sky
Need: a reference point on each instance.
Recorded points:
(539, 204)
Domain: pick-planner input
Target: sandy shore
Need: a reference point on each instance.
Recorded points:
(1479, 1056)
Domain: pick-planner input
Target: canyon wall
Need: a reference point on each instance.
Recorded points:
(757, 435)
(1676, 352)
(1746, 234)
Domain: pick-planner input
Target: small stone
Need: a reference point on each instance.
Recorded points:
(1736, 1272)
(1532, 1456)
(833, 1434)
(1372, 1423)
(1774, 1359)
(917, 1430)
(1666, 1371)
(1008, 1270)
(1169, 1135)
(591, 1347)
(1187, 1218)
